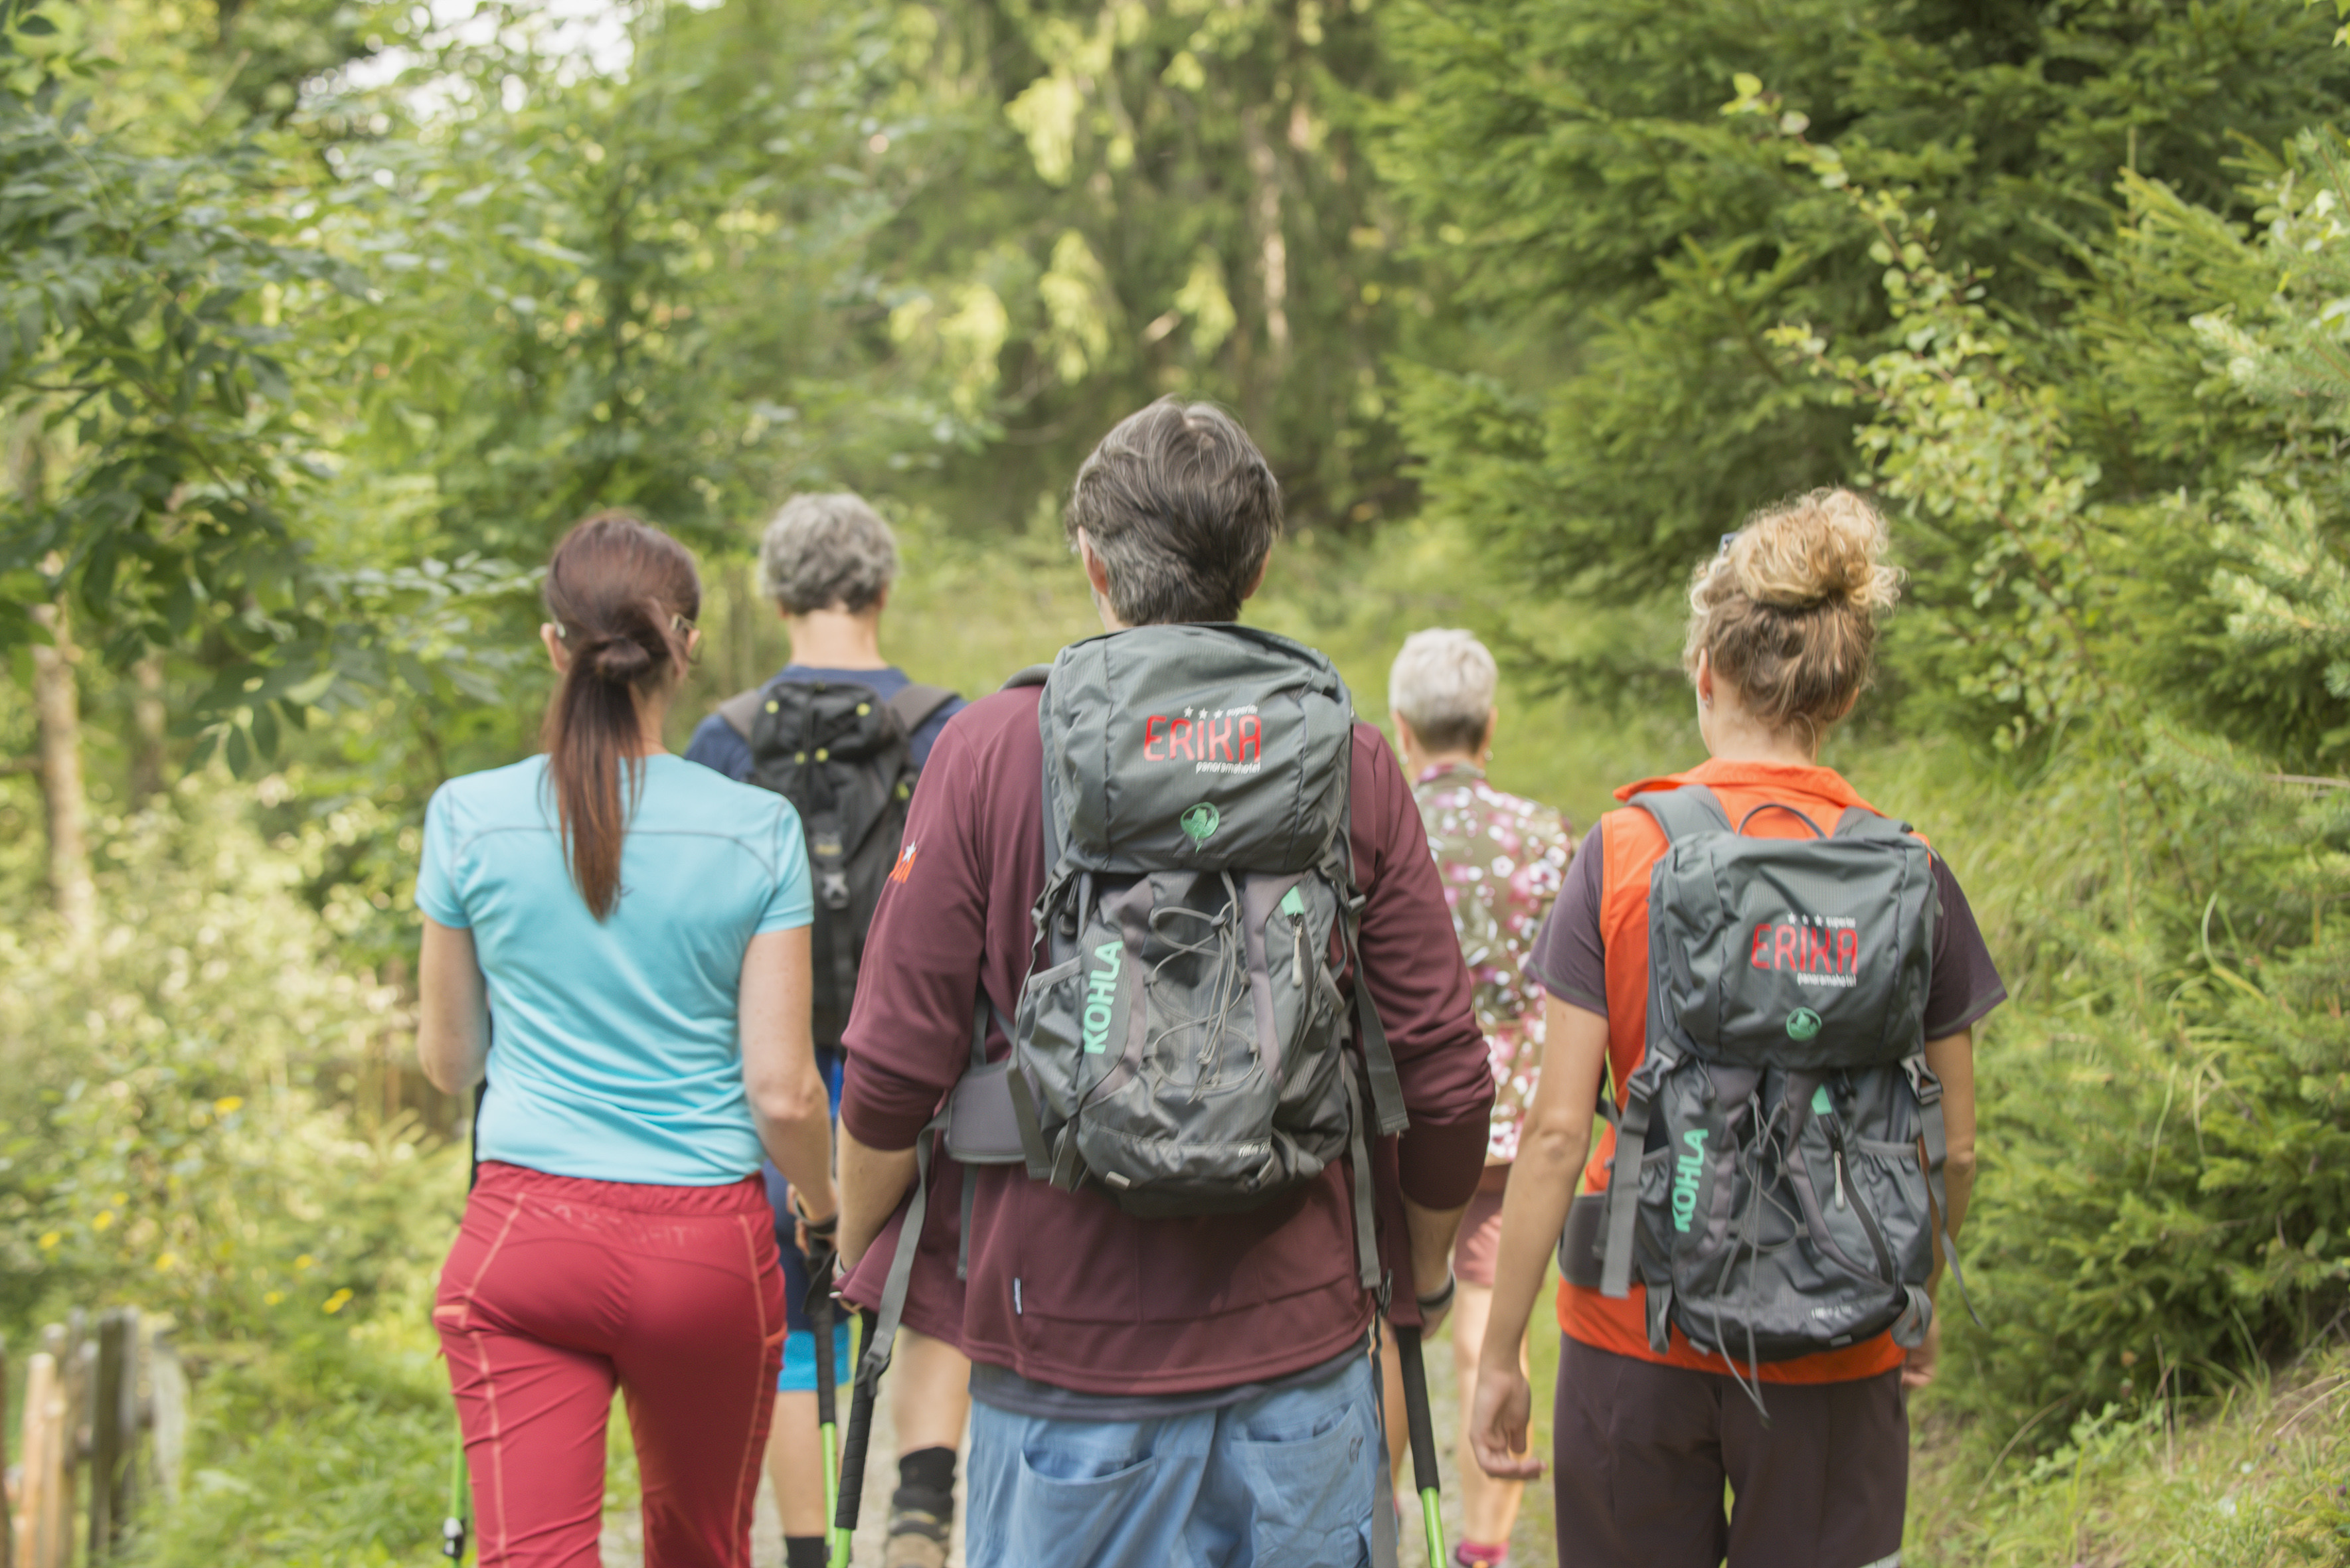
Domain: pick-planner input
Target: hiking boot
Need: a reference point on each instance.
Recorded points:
(918, 1539)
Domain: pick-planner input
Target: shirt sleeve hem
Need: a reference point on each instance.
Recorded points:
(1575, 996)
(1977, 1010)
(786, 920)
(439, 914)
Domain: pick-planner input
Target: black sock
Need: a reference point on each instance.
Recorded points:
(806, 1552)
(926, 1480)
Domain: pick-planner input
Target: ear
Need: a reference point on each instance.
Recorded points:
(1097, 572)
(557, 654)
(1406, 739)
(692, 646)
(1257, 582)
(1703, 679)
(880, 602)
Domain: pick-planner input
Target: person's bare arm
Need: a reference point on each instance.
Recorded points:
(789, 1102)
(1550, 1151)
(872, 1181)
(453, 1015)
(1431, 1232)
(1951, 1059)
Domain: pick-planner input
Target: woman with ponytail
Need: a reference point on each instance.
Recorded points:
(620, 939)
(1782, 633)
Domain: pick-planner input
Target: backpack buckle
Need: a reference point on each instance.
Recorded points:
(1922, 1082)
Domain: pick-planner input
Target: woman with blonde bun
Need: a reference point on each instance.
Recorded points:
(1783, 628)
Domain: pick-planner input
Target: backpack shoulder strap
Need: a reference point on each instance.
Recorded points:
(1032, 676)
(915, 703)
(1683, 812)
(1859, 822)
(741, 710)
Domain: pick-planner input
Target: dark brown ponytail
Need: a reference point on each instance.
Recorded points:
(622, 596)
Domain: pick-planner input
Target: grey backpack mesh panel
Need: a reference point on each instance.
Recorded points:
(1789, 1136)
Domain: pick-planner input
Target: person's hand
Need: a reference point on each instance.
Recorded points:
(816, 1230)
(1498, 1419)
(1917, 1370)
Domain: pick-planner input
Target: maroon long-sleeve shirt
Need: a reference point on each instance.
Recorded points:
(1065, 1288)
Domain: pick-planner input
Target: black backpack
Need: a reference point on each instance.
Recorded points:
(842, 756)
(1777, 1182)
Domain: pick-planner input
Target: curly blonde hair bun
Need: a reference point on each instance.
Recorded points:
(1787, 611)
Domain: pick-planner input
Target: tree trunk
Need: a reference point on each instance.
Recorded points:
(148, 726)
(1273, 267)
(57, 708)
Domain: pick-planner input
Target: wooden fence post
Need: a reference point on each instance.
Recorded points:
(167, 1409)
(109, 1445)
(39, 1515)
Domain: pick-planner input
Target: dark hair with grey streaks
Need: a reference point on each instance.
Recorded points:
(1181, 508)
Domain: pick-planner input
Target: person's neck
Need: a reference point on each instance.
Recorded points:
(1430, 762)
(1735, 739)
(837, 639)
(652, 725)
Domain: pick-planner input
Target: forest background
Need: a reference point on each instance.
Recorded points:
(320, 319)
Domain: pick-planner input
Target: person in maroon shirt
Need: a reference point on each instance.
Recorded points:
(1153, 1389)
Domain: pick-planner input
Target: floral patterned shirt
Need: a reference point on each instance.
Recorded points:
(1502, 861)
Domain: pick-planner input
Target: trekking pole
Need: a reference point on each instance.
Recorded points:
(1423, 1440)
(452, 1524)
(456, 1524)
(820, 1253)
(852, 1451)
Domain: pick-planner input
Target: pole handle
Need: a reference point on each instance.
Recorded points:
(861, 1432)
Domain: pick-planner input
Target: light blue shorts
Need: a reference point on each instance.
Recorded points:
(1294, 1479)
(798, 1376)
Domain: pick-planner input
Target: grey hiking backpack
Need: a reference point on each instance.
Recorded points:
(1777, 1181)
(1181, 1042)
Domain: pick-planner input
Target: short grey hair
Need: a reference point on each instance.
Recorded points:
(1442, 683)
(826, 550)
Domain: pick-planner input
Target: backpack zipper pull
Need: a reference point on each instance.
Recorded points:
(1839, 1177)
(1293, 906)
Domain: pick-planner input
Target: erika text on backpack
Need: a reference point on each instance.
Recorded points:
(842, 756)
(1783, 1186)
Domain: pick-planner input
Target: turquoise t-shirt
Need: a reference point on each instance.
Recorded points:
(614, 1052)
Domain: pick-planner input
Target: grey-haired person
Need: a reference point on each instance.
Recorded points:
(1503, 859)
(827, 561)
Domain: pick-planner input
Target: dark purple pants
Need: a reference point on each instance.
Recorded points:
(1641, 1454)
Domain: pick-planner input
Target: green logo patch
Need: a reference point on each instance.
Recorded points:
(1201, 821)
(1802, 1024)
(1821, 1104)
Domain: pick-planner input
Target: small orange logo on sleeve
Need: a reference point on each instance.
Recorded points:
(905, 867)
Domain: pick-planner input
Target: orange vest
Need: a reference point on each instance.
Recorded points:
(1632, 843)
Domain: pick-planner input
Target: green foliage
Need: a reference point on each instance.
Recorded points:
(178, 1095)
(1576, 170)
(2250, 1478)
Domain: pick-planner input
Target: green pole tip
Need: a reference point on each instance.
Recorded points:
(1434, 1522)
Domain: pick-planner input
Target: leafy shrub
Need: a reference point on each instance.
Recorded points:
(177, 1139)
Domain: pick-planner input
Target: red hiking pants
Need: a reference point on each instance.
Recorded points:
(557, 1289)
